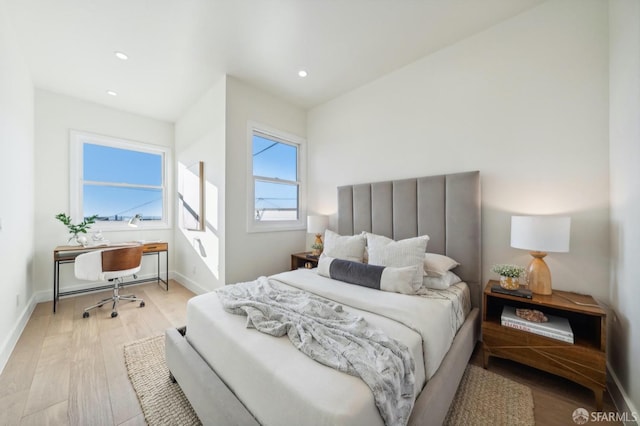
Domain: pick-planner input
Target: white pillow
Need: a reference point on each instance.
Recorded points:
(436, 265)
(344, 247)
(440, 283)
(384, 251)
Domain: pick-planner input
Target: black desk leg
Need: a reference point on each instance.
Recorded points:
(56, 283)
(54, 286)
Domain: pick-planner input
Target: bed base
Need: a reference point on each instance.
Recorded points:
(215, 404)
(211, 399)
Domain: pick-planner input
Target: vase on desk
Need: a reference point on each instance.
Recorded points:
(79, 240)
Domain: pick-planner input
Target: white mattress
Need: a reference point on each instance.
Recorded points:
(276, 382)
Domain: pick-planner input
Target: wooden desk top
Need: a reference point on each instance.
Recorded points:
(72, 251)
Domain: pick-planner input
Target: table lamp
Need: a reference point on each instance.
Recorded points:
(539, 235)
(135, 220)
(317, 225)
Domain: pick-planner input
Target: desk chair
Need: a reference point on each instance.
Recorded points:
(109, 265)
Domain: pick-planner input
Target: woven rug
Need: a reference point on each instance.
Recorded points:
(483, 398)
(162, 401)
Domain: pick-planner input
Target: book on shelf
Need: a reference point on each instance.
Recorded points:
(556, 328)
(521, 292)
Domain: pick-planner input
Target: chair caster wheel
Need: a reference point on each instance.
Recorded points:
(142, 304)
(114, 314)
(85, 315)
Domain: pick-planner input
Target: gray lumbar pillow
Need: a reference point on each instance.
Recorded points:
(385, 278)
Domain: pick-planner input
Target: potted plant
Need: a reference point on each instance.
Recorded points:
(509, 275)
(316, 249)
(76, 229)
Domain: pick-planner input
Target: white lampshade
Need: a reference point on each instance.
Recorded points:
(541, 233)
(317, 224)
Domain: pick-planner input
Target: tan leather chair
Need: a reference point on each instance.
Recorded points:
(110, 265)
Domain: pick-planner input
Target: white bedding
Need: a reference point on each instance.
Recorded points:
(276, 381)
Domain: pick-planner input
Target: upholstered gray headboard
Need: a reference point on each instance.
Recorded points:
(445, 207)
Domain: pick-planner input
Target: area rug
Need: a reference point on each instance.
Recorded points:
(483, 398)
(162, 401)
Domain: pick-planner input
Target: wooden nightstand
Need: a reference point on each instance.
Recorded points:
(583, 362)
(301, 260)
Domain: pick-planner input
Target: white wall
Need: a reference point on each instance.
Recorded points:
(524, 102)
(249, 255)
(200, 136)
(16, 189)
(624, 137)
(55, 116)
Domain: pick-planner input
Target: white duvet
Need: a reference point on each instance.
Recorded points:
(279, 385)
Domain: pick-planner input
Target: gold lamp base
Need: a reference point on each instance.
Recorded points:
(538, 274)
(317, 242)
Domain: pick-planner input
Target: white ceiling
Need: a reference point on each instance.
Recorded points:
(178, 48)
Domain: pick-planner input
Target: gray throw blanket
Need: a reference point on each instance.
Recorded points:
(323, 331)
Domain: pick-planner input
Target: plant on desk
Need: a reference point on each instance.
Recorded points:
(80, 228)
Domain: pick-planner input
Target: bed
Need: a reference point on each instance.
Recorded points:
(231, 380)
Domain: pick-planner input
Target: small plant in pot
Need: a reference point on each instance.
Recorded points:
(76, 229)
(509, 275)
(316, 249)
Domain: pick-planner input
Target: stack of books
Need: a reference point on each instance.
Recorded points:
(556, 328)
(521, 292)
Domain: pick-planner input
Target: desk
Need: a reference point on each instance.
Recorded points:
(68, 254)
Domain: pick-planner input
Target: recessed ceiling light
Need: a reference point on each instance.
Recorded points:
(112, 93)
(121, 55)
(302, 73)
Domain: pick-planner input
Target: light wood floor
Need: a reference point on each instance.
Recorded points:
(66, 370)
(554, 398)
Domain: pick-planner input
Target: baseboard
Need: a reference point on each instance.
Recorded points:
(10, 342)
(621, 400)
(190, 284)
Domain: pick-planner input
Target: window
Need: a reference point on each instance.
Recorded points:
(117, 179)
(277, 192)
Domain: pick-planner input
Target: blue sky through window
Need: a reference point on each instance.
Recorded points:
(112, 167)
(275, 160)
(276, 196)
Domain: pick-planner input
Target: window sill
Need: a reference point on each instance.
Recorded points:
(254, 228)
(124, 227)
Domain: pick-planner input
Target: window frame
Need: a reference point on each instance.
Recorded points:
(276, 135)
(77, 139)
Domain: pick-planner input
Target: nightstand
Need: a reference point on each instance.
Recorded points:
(583, 362)
(301, 260)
